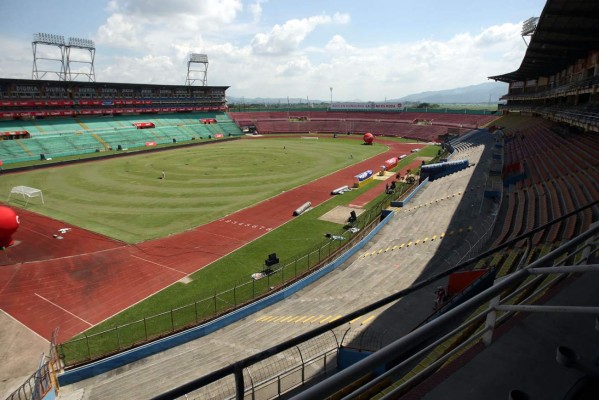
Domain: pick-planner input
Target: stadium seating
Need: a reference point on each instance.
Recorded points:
(387, 124)
(560, 177)
(85, 134)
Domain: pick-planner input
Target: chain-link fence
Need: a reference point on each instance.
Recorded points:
(92, 347)
(43, 381)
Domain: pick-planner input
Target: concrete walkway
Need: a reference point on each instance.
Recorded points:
(523, 357)
(18, 343)
(446, 206)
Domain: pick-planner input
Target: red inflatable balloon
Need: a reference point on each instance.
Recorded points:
(368, 138)
(9, 223)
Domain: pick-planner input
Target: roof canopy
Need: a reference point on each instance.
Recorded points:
(566, 31)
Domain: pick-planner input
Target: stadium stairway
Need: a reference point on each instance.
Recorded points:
(441, 225)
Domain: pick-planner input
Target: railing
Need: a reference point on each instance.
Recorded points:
(544, 92)
(95, 346)
(38, 385)
(403, 345)
(556, 262)
(43, 381)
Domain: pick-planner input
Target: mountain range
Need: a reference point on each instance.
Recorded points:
(488, 92)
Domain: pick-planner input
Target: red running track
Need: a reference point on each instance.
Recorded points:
(78, 281)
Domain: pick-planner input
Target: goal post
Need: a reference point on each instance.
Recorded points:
(27, 193)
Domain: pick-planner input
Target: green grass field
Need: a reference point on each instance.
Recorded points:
(124, 198)
(293, 239)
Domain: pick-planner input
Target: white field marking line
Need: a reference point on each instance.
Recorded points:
(23, 325)
(50, 237)
(225, 237)
(63, 309)
(9, 279)
(76, 255)
(160, 265)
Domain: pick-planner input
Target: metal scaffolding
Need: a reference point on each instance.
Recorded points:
(200, 75)
(64, 58)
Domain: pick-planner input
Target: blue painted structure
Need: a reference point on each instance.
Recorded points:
(138, 353)
(439, 170)
(348, 357)
(403, 202)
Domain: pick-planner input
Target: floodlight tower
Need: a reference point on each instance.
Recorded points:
(201, 59)
(46, 39)
(528, 28)
(80, 44)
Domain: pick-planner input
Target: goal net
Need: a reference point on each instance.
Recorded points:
(27, 193)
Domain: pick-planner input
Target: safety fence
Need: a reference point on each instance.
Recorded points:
(572, 256)
(95, 346)
(478, 318)
(43, 383)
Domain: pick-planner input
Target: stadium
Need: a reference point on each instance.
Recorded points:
(158, 244)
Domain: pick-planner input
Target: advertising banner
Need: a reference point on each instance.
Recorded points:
(391, 163)
(364, 175)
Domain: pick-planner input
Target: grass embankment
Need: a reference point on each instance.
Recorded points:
(124, 198)
(291, 240)
(134, 188)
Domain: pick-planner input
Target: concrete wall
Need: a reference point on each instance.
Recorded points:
(403, 202)
(129, 356)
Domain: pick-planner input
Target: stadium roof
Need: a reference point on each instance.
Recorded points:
(566, 31)
(9, 81)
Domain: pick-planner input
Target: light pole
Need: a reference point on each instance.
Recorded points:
(331, 96)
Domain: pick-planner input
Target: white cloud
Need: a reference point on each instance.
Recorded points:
(152, 24)
(295, 68)
(341, 18)
(153, 68)
(255, 9)
(297, 58)
(356, 72)
(338, 45)
(16, 60)
(497, 35)
(284, 39)
(119, 31)
(218, 11)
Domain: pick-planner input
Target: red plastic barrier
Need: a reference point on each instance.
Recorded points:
(144, 125)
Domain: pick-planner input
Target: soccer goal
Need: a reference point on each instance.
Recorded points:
(27, 193)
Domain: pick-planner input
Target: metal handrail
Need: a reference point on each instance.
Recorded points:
(414, 338)
(237, 367)
(503, 307)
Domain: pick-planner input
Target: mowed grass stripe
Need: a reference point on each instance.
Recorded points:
(289, 241)
(125, 199)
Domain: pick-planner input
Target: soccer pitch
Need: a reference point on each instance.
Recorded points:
(126, 198)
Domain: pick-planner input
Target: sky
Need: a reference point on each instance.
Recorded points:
(364, 50)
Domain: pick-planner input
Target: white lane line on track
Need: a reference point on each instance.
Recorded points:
(63, 309)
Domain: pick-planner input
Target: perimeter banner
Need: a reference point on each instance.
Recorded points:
(364, 175)
(369, 106)
(391, 163)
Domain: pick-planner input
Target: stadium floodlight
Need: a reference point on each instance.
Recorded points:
(200, 75)
(81, 43)
(529, 26)
(199, 58)
(46, 38)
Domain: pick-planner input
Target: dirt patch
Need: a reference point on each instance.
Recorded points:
(340, 214)
(424, 158)
(386, 175)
